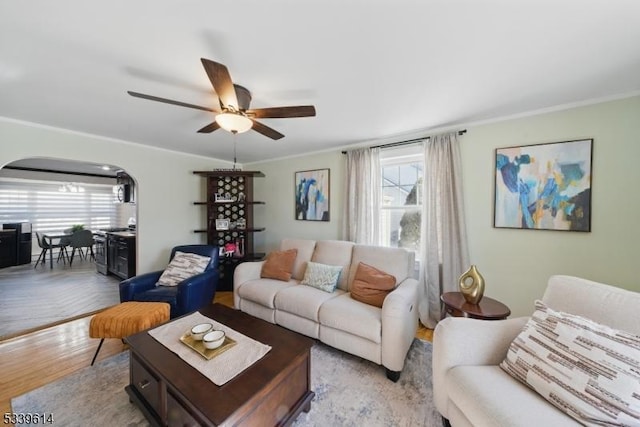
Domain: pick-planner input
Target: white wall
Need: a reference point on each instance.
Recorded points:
(166, 185)
(277, 190)
(515, 263)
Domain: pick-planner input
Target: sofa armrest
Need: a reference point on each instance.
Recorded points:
(135, 285)
(197, 291)
(243, 273)
(461, 341)
(399, 323)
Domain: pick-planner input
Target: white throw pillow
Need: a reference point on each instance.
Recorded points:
(321, 276)
(182, 266)
(587, 370)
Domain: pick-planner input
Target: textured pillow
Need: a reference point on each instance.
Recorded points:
(279, 265)
(371, 285)
(587, 370)
(322, 276)
(182, 266)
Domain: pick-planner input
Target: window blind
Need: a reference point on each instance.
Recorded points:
(49, 209)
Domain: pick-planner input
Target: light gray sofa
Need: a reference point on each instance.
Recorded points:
(469, 387)
(381, 335)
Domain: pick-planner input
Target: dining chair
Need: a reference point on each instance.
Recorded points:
(81, 239)
(46, 245)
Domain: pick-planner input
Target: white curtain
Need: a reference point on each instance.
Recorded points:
(362, 196)
(444, 248)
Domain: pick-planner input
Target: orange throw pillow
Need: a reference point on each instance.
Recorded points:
(371, 285)
(279, 265)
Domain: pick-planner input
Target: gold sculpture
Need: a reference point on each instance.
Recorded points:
(471, 285)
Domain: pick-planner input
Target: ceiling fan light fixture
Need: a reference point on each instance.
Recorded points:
(234, 122)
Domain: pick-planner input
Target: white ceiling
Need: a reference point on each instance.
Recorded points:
(373, 69)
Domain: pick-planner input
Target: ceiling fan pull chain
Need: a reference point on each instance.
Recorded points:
(235, 138)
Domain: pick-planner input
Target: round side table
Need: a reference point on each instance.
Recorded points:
(487, 309)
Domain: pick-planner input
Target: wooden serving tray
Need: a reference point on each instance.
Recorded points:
(207, 353)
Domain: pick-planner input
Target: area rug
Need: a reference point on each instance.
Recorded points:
(349, 391)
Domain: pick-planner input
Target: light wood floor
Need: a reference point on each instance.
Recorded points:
(38, 358)
(32, 298)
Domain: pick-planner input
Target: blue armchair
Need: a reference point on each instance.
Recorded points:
(190, 294)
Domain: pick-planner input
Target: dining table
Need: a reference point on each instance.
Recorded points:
(49, 238)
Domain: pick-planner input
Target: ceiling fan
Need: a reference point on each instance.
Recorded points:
(234, 114)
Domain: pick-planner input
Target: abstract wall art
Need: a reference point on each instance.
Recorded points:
(544, 186)
(312, 195)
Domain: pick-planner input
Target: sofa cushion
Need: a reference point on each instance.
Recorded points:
(321, 276)
(371, 285)
(602, 303)
(395, 261)
(305, 251)
(279, 265)
(481, 393)
(303, 301)
(263, 291)
(588, 370)
(335, 252)
(346, 314)
(183, 266)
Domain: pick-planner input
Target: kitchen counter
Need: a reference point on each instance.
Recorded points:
(126, 234)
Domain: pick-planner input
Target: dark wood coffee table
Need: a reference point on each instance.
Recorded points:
(273, 391)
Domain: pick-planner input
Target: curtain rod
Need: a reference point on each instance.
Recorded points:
(407, 142)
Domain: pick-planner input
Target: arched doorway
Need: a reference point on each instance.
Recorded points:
(53, 195)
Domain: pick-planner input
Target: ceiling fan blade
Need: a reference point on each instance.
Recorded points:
(210, 127)
(266, 130)
(221, 81)
(170, 101)
(283, 112)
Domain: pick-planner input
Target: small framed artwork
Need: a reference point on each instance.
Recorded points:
(312, 195)
(222, 224)
(544, 186)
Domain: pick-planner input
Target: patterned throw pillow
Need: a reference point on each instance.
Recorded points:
(587, 370)
(182, 266)
(371, 285)
(322, 276)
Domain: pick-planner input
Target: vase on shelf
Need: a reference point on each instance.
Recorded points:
(471, 285)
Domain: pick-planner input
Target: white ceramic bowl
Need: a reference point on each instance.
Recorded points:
(199, 330)
(213, 339)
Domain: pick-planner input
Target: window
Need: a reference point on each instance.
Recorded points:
(54, 206)
(401, 197)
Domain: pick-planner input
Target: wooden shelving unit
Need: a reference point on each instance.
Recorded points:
(237, 188)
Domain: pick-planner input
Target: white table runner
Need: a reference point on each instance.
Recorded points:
(221, 368)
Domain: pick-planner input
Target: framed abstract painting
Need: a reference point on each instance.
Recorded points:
(544, 186)
(312, 195)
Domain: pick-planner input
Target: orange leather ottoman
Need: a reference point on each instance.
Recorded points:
(126, 319)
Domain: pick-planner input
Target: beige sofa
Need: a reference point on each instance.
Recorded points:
(469, 387)
(381, 335)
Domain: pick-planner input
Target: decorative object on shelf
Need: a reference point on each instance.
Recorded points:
(229, 249)
(239, 253)
(312, 195)
(471, 285)
(223, 198)
(222, 224)
(241, 224)
(241, 197)
(544, 186)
